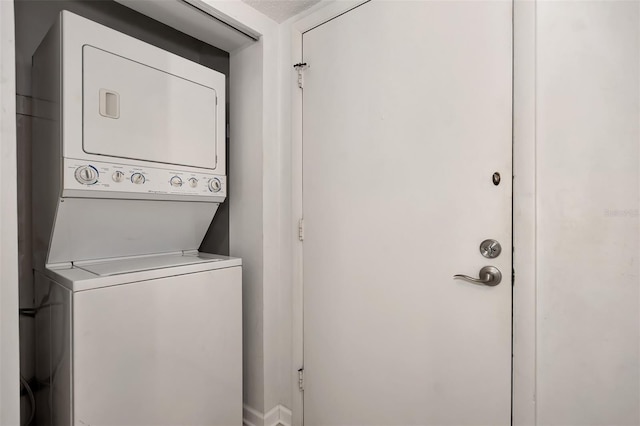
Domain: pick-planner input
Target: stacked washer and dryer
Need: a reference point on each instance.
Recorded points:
(134, 326)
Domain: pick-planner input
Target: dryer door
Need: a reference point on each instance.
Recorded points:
(138, 112)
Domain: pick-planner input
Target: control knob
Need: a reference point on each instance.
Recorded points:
(87, 175)
(117, 176)
(193, 182)
(215, 185)
(176, 181)
(137, 178)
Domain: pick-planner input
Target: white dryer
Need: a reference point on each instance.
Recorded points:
(133, 325)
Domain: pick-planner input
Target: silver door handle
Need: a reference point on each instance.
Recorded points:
(489, 275)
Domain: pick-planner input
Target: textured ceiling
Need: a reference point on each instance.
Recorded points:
(280, 10)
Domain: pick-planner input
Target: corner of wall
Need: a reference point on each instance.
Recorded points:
(9, 357)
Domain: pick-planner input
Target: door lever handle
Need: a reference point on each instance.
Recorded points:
(489, 275)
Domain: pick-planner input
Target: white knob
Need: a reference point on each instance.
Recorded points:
(137, 178)
(117, 176)
(193, 182)
(86, 175)
(176, 181)
(215, 185)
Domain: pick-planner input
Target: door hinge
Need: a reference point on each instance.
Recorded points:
(301, 379)
(300, 67)
(301, 229)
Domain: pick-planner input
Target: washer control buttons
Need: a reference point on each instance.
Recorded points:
(137, 178)
(87, 175)
(215, 185)
(117, 176)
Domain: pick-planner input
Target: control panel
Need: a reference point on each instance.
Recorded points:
(99, 176)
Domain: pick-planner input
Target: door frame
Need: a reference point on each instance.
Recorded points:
(523, 388)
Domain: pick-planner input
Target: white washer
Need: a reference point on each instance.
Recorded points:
(133, 325)
(152, 340)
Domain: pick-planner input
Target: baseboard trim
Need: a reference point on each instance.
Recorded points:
(277, 416)
(251, 417)
(286, 416)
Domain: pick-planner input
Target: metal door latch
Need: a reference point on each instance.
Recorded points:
(489, 276)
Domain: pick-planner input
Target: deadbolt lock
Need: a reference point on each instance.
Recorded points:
(490, 249)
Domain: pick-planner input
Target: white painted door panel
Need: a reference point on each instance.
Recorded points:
(407, 114)
(134, 111)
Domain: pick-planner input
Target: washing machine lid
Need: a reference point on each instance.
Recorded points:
(106, 268)
(89, 275)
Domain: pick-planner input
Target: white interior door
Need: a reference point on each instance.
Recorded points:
(407, 116)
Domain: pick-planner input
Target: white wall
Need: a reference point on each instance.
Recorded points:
(9, 365)
(246, 210)
(587, 139)
(258, 176)
(278, 228)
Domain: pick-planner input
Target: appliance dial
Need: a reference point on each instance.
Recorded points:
(137, 178)
(193, 182)
(117, 176)
(215, 185)
(87, 175)
(176, 181)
